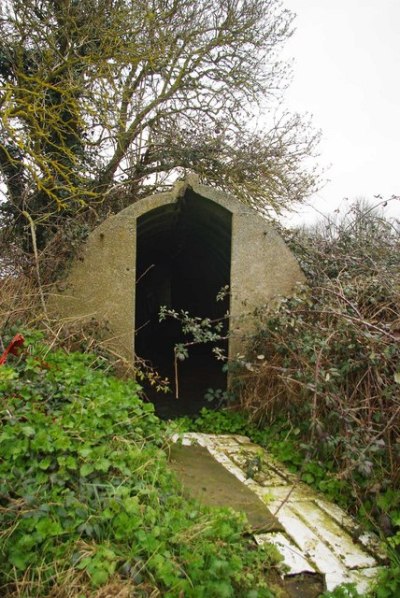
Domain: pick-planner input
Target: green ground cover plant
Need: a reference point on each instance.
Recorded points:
(86, 498)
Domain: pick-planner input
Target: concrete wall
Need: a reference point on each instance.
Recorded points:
(262, 268)
(101, 283)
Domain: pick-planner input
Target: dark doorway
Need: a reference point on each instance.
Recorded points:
(183, 258)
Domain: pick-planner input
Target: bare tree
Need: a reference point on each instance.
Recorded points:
(106, 100)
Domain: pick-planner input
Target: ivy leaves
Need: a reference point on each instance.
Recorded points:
(85, 491)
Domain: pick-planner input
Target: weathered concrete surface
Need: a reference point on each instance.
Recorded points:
(100, 284)
(317, 537)
(102, 281)
(213, 485)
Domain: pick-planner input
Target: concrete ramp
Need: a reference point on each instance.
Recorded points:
(313, 535)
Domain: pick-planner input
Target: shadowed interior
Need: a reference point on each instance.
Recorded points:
(183, 259)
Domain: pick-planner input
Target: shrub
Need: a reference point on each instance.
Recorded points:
(330, 354)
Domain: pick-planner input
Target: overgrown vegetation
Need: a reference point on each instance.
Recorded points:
(331, 359)
(86, 498)
(319, 388)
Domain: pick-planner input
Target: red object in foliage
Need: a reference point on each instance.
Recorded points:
(13, 348)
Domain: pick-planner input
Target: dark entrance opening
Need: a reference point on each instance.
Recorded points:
(183, 258)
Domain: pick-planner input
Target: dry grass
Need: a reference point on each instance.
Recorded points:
(75, 584)
(19, 302)
(265, 392)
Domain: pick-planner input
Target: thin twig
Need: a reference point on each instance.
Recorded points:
(35, 251)
(176, 373)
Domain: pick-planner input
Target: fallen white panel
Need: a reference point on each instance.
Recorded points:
(292, 555)
(325, 538)
(367, 539)
(363, 579)
(330, 532)
(313, 548)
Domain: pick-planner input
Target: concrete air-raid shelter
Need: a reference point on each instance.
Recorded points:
(176, 249)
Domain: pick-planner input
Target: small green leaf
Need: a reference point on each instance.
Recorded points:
(86, 469)
(45, 463)
(99, 576)
(7, 373)
(20, 560)
(28, 431)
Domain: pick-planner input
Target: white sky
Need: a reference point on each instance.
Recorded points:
(347, 75)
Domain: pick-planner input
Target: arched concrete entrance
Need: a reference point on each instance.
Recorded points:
(176, 249)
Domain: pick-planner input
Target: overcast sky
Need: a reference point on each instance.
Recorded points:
(347, 75)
